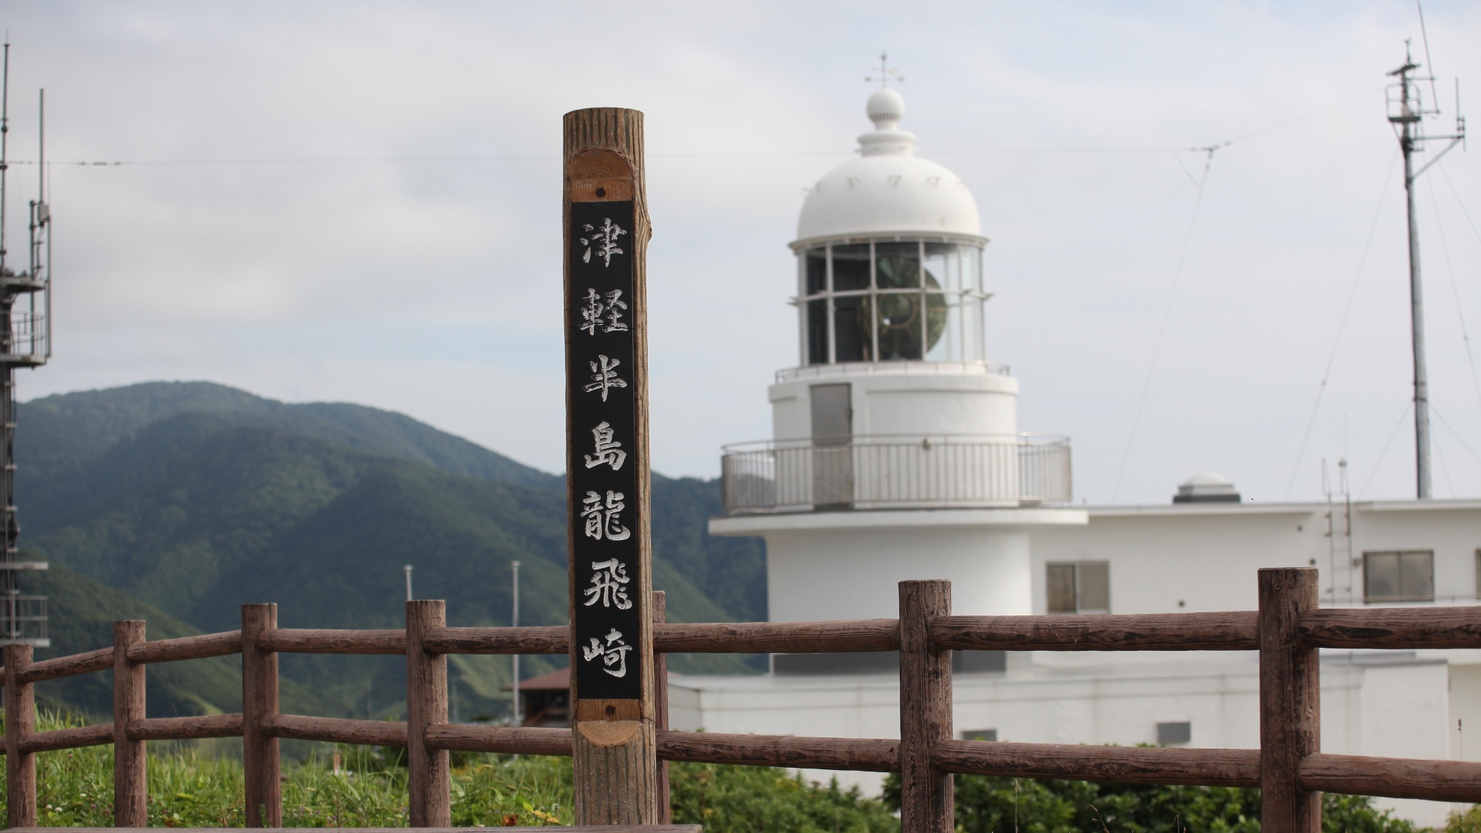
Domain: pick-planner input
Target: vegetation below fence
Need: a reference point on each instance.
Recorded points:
(192, 788)
(986, 804)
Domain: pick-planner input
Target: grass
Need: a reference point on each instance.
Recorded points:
(189, 787)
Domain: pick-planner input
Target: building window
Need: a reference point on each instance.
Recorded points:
(980, 734)
(1082, 587)
(1400, 576)
(1174, 734)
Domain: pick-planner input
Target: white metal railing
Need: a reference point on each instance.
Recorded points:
(28, 334)
(896, 472)
(22, 617)
(813, 371)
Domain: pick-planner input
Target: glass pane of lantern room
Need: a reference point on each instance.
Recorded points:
(900, 321)
(850, 267)
(939, 264)
(852, 339)
(815, 271)
(971, 268)
(897, 265)
(817, 331)
(944, 344)
(971, 319)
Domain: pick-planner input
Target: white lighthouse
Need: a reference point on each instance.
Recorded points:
(896, 452)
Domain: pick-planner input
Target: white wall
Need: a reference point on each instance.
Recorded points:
(842, 573)
(1181, 559)
(915, 399)
(1394, 708)
(1206, 555)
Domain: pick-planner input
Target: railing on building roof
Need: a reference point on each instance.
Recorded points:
(897, 472)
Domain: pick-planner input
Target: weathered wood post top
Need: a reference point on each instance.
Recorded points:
(609, 553)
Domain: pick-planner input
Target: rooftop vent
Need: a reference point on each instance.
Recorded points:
(1206, 488)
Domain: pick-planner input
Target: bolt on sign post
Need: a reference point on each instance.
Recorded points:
(607, 483)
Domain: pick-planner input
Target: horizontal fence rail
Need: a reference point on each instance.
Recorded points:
(1286, 632)
(1118, 764)
(873, 472)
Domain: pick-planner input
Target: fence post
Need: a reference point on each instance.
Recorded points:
(130, 794)
(20, 723)
(661, 708)
(1290, 702)
(927, 797)
(264, 792)
(429, 782)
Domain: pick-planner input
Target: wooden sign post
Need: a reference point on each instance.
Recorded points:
(607, 483)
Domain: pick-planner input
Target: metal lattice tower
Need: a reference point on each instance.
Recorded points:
(25, 330)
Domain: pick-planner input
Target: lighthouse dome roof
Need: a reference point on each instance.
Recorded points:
(888, 189)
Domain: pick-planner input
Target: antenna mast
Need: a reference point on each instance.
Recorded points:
(25, 330)
(1405, 112)
(4, 145)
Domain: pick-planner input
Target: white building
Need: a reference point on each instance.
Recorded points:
(896, 455)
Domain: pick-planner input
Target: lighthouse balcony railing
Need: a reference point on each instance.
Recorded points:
(22, 618)
(816, 371)
(27, 337)
(896, 472)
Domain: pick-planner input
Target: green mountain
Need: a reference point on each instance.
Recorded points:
(210, 686)
(193, 498)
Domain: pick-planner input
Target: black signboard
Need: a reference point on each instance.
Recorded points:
(604, 464)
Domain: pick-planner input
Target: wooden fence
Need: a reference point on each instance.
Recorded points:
(1287, 630)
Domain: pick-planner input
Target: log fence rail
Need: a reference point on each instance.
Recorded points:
(1287, 632)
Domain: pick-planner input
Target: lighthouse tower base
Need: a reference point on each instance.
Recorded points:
(824, 566)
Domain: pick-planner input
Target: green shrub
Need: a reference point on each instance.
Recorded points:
(985, 804)
(738, 799)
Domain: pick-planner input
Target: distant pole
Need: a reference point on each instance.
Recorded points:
(514, 623)
(1416, 310)
(1406, 115)
(409, 597)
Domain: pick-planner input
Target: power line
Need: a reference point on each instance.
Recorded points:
(1458, 437)
(1472, 223)
(1444, 469)
(519, 157)
(1429, 64)
(1162, 327)
(1352, 294)
(1394, 433)
(1455, 291)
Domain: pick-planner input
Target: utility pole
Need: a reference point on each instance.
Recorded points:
(1406, 110)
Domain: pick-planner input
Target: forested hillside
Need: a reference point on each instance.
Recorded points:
(184, 500)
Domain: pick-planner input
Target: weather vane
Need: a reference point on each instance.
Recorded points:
(886, 73)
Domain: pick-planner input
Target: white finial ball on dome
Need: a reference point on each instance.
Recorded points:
(888, 189)
(886, 108)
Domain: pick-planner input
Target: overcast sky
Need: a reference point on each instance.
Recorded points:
(361, 202)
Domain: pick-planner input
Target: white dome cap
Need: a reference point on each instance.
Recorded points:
(888, 189)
